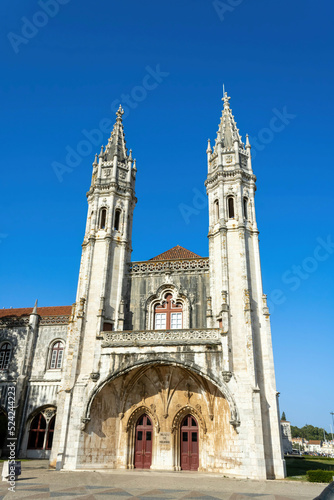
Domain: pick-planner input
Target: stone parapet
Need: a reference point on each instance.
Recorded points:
(207, 336)
(161, 266)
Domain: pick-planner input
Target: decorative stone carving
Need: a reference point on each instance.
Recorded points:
(227, 376)
(49, 413)
(84, 422)
(140, 410)
(165, 337)
(187, 409)
(95, 376)
(184, 265)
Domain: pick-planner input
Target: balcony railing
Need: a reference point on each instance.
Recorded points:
(206, 336)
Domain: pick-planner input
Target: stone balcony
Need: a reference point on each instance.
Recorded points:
(205, 336)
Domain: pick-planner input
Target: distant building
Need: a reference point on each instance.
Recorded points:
(314, 446)
(286, 436)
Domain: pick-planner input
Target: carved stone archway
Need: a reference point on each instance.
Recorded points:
(131, 429)
(176, 426)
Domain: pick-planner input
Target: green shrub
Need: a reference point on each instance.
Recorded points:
(320, 476)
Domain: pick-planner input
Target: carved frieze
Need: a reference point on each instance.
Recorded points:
(165, 337)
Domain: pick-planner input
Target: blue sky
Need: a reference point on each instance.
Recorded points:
(66, 75)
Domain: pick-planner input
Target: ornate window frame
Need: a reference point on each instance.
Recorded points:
(159, 297)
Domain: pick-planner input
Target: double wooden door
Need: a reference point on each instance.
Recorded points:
(143, 443)
(189, 444)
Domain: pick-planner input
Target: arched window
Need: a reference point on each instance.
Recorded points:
(168, 316)
(216, 210)
(51, 429)
(246, 208)
(117, 219)
(5, 355)
(37, 433)
(230, 207)
(103, 218)
(56, 357)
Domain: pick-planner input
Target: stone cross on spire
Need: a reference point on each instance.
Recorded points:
(226, 100)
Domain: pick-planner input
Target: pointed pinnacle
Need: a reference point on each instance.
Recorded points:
(209, 150)
(35, 308)
(120, 112)
(247, 141)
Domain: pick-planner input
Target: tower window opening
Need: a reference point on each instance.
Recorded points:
(216, 210)
(230, 205)
(103, 218)
(117, 219)
(246, 208)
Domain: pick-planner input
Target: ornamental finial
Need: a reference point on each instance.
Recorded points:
(226, 99)
(120, 112)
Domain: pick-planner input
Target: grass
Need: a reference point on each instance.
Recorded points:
(297, 467)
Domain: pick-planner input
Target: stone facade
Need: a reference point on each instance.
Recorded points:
(286, 436)
(213, 367)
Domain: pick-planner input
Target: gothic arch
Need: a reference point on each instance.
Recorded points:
(138, 412)
(158, 298)
(221, 385)
(187, 410)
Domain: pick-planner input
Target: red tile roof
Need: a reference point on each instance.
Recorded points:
(42, 311)
(177, 253)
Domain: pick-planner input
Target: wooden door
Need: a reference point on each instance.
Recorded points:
(143, 443)
(189, 444)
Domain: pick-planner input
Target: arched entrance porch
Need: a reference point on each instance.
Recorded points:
(166, 394)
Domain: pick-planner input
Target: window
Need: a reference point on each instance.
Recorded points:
(168, 315)
(117, 219)
(51, 429)
(56, 357)
(216, 210)
(176, 320)
(245, 208)
(103, 218)
(160, 321)
(37, 433)
(5, 355)
(230, 206)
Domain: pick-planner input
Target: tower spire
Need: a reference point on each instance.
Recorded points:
(116, 144)
(228, 132)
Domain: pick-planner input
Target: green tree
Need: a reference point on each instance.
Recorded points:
(283, 417)
(310, 432)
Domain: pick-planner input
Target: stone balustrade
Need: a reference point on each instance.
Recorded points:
(161, 266)
(205, 336)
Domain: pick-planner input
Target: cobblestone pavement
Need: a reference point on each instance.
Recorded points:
(38, 482)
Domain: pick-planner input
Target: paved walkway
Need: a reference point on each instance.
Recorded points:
(38, 482)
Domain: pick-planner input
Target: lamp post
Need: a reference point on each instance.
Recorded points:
(332, 413)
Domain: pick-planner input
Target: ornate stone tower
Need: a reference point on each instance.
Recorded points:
(238, 303)
(106, 250)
